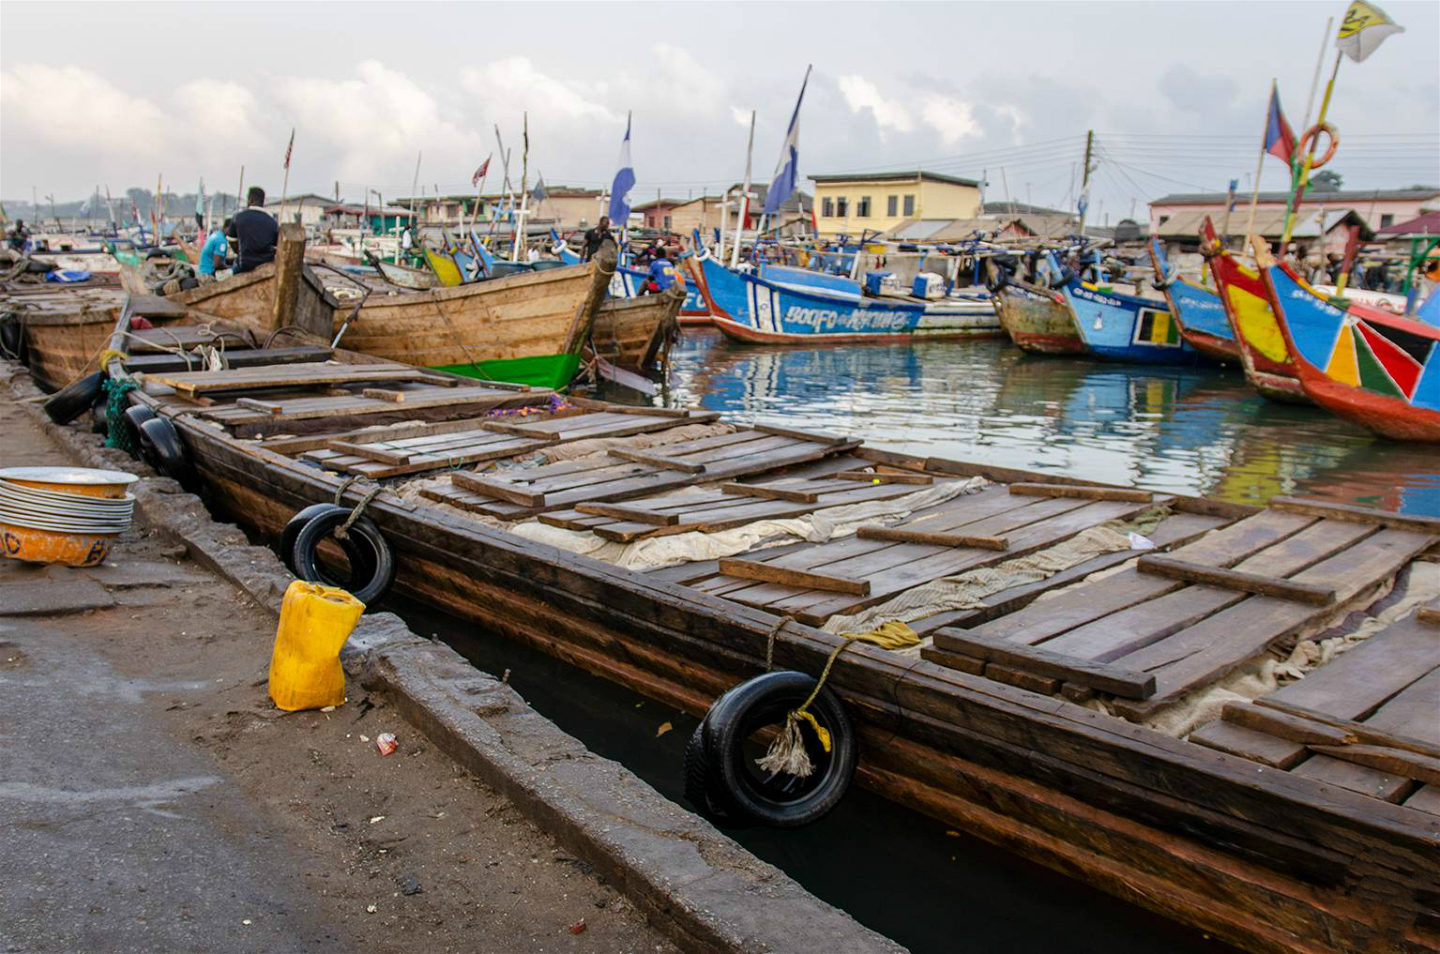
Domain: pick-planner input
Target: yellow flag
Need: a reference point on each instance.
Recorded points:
(1364, 28)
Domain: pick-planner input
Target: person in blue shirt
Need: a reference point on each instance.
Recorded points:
(215, 251)
(662, 272)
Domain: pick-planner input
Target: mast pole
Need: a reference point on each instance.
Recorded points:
(743, 208)
(1298, 193)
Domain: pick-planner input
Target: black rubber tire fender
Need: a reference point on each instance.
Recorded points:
(75, 398)
(769, 800)
(702, 784)
(12, 337)
(135, 415)
(100, 415)
(162, 449)
(294, 526)
(305, 561)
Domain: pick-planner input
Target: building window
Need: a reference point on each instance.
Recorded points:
(1164, 219)
(892, 206)
(842, 207)
(862, 208)
(667, 223)
(1387, 219)
(909, 205)
(827, 208)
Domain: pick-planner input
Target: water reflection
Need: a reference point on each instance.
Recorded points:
(1187, 430)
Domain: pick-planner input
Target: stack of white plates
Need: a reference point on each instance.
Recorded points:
(54, 509)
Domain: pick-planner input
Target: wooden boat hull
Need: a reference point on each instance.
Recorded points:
(635, 333)
(1038, 319)
(1120, 327)
(64, 346)
(1380, 370)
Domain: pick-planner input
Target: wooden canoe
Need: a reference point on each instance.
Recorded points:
(981, 730)
(1038, 319)
(636, 333)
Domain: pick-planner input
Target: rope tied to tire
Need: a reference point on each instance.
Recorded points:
(343, 531)
(787, 751)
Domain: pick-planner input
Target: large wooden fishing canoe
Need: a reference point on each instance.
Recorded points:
(1306, 824)
(1038, 319)
(636, 333)
(526, 328)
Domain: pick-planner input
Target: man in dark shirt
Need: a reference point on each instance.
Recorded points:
(597, 237)
(255, 231)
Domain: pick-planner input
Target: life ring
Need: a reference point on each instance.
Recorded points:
(75, 398)
(728, 782)
(135, 415)
(1313, 132)
(370, 577)
(161, 448)
(559, 248)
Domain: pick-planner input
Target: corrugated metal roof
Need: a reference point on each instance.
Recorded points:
(893, 176)
(1312, 197)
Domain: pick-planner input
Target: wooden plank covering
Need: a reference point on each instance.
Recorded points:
(293, 375)
(901, 535)
(657, 460)
(498, 489)
(754, 570)
(1100, 676)
(1235, 580)
(1339, 511)
(1081, 491)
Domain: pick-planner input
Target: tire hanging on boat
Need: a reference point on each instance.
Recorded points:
(75, 398)
(723, 778)
(161, 448)
(134, 416)
(372, 565)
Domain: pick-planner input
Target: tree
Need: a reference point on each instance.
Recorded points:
(1326, 180)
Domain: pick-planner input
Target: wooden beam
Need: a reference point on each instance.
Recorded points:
(883, 478)
(264, 407)
(498, 489)
(1103, 677)
(1360, 731)
(1082, 492)
(770, 493)
(1283, 725)
(1339, 511)
(783, 576)
(800, 435)
(901, 535)
(656, 460)
(519, 430)
(383, 394)
(370, 452)
(289, 262)
(617, 512)
(1422, 768)
(1429, 614)
(1258, 583)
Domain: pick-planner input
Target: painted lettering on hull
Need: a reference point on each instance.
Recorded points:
(828, 321)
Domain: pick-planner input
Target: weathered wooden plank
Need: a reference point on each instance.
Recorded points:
(1339, 511)
(753, 570)
(1081, 491)
(1253, 744)
(884, 478)
(1260, 583)
(902, 535)
(373, 452)
(771, 493)
(264, 407)
(498, 489)
(1425, 799)
(1429, 614)
(1115, 680)
(293, 375)
(801, 435)
(383, 394)
(958, 661)
(1286, 725)
(631, 514)
(1422, 768)
(656, 460)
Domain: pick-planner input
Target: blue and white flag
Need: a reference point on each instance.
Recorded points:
(789, 166)
(539, 193)
(624, 182)
(85, 206)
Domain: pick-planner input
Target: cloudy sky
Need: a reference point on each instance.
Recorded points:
(117, 93)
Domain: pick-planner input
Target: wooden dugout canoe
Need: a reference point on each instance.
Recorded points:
(1038, 319)
(1267, 858)
(636, 333)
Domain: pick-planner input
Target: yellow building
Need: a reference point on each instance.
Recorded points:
(878, 201)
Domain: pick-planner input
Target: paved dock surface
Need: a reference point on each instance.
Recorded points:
(152, 799)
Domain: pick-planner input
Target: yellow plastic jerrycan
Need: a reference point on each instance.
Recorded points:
(315, 621)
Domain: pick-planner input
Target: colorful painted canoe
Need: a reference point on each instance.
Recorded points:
(1038, 319)
(1196, 309)
(1120, 327)
(1369, 366)
(1264, 355)
(627, 282)
(750, 308)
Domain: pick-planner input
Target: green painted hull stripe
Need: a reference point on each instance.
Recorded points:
(538, 371)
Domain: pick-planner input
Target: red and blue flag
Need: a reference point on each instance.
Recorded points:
(1279, 137)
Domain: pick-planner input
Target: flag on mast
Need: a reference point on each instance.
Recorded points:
(539, 193)
(787, 169)
(480, 173)
(289, 148)
(200, 204)
(1279, 137)
(1364, 28)
(624, 182)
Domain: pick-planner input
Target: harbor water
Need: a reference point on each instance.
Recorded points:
(1199, 430)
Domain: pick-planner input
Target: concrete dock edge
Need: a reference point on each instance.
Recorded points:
(697, 885)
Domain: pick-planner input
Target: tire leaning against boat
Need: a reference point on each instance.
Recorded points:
(378, 572)
(135, 415)
(161, 448)
(763, 701)
(75, 398)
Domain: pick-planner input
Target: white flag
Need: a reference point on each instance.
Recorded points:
(1364, 28)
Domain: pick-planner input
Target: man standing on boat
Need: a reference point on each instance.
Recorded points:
(255, 231)
(597, 237)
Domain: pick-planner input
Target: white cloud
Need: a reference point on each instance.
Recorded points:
(72, 108)
(219, 116)
(741, 116)
(508, 87)
(862, 94)
(952, 118)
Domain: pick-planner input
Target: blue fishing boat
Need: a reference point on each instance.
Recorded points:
(1124, 327)
(1197, 309)
(627, 283)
